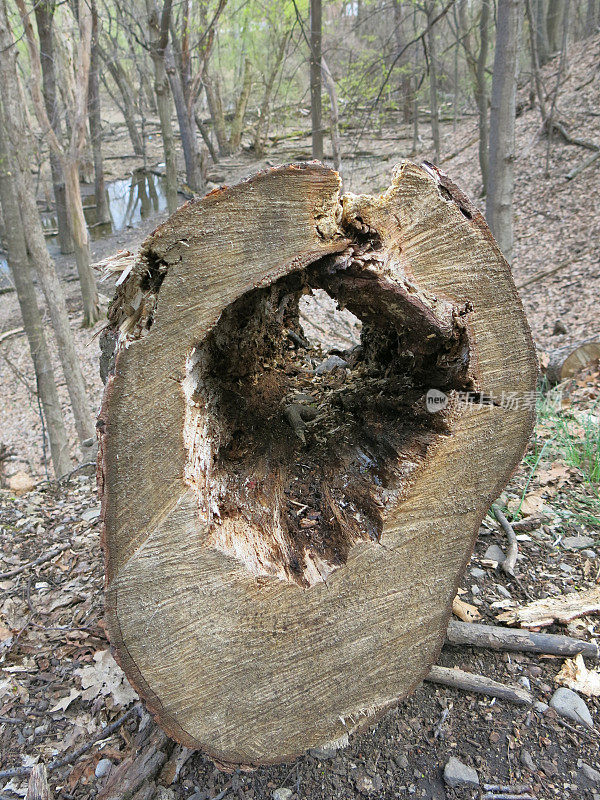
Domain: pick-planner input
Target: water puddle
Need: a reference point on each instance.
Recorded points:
(130, 200)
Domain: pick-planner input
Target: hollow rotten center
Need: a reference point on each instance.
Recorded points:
(295, 455)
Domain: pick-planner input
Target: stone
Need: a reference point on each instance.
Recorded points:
(20, 483)
(590, 773)
(282, 794)
(330, 364)
(588, 553)
(540, 707)
(402, 761)
(91, 514)
(329, 749)
(103, 767)
(503, 591)
(527, 761)
(495, 553)
(524, 681)
(477, 572)
(457, 774)
(576, 542)
(367, 784)
(568, 703)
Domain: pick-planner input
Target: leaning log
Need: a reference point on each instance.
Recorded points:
(275, 580)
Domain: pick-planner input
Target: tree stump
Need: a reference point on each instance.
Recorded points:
(282, 547)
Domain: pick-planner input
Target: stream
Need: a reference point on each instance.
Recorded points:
(130, 200)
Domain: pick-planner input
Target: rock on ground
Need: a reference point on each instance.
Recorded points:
(457, 774)
(569, 704)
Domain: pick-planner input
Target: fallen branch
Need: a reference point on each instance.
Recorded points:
(30, 564)
(471, 682)
(546, 273)
(19, 772)
(518, 640)
(13, 332)
(560, 129)
(587, 163)
(547, 610)
(460, 150)
(137, 769)
(508, 565)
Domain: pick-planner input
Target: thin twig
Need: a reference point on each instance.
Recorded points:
(508, 565)
(41, 560)
(18, 772)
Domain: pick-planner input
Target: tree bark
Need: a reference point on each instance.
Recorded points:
(18, 262)
(18, 135)
(95, 122)
(287, 556)
(215, 106)
(315, 79)
(499, 202)
(44, 16)
(159, 37)
(541, 31)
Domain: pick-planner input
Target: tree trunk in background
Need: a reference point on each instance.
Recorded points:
(554, 21)
(81, 243)
(315, 79)
(18, 262)
(95, 122)
(127, 107)
(535, 61)
(205, 133)
(237, 124)
(402, 63)
(541, 31)
(499, 203)
(215, 107)
(44, 16)
(18, 134)
(433, 98)
(336, 145)
(590, 18)
(262, 126)
(477, 63)
(159, 36)
(189, 143)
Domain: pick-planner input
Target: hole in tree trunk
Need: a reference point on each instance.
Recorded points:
(293, 454)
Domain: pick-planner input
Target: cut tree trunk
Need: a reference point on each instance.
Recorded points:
(571, 359)
(283, 547)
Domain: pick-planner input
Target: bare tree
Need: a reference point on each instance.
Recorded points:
(477, 63)
(95, 121)
(429, 9)
(18, 134)
(44, 15)
(18, 262)
(499, 203)
(262, 126)
(158, 24)
(315, 78)
(75, 75)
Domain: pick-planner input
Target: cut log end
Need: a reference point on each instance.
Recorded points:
(283, 544)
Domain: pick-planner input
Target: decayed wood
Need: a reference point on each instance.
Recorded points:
(471, 682)
(562, 608)
(573, 358)
(250, 633)
(493, 637)
(37, 788)
(133, 773)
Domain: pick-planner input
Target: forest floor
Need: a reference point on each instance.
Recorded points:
(59, 686)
